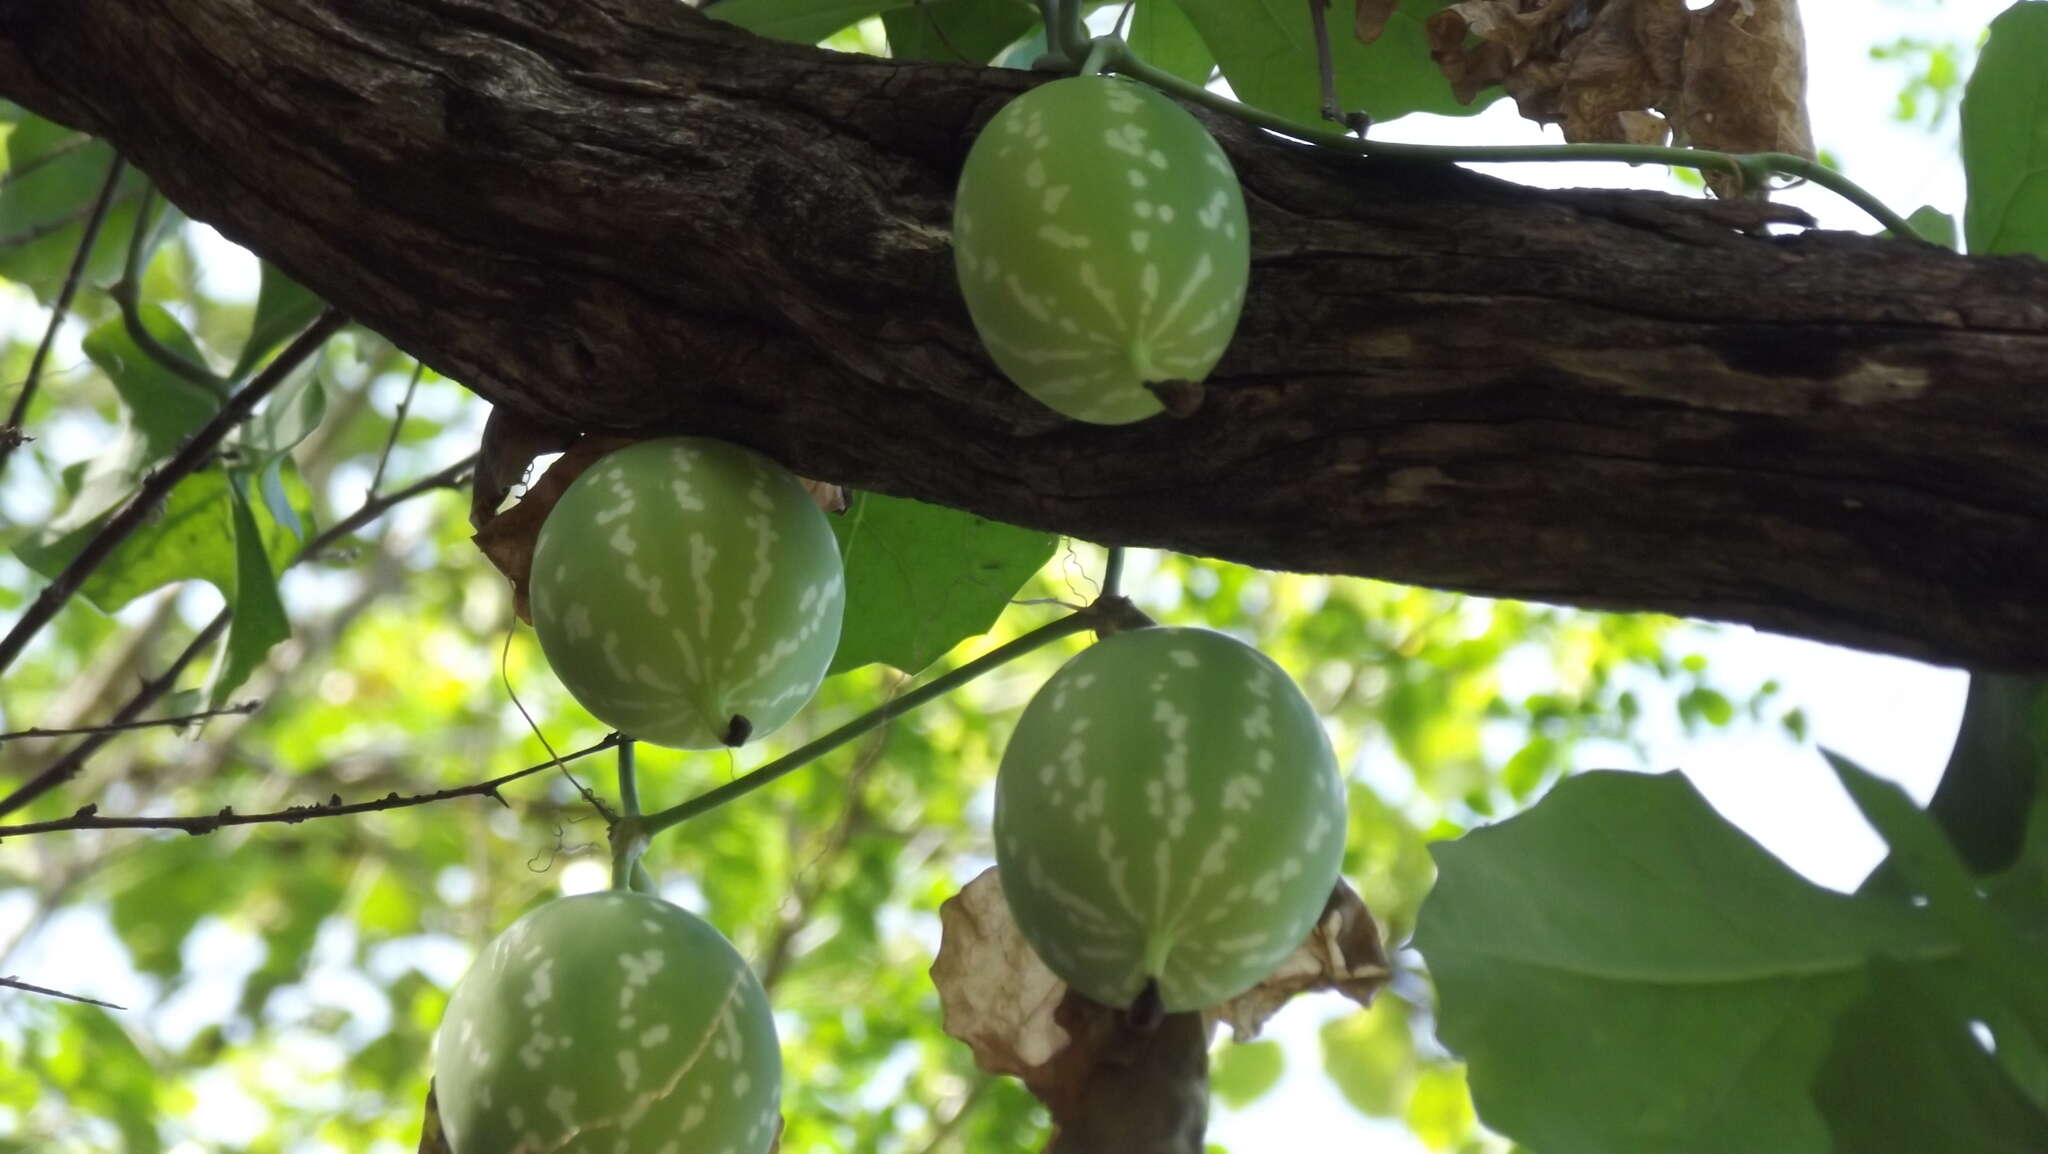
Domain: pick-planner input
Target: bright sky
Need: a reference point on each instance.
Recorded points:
(1895, 717)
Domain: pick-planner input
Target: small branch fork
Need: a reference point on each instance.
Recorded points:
(89, 818)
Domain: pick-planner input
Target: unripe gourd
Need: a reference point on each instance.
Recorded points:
(1168, 810)
(1101, 243)
(608, 1023)
(688, 592)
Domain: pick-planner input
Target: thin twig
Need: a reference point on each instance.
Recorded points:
(146, 501)
(89, 818)
(11, 435)
(239, 708)
(14, 983)
(127, 292)
(397, 423)
(1326, 68)
(72, 761)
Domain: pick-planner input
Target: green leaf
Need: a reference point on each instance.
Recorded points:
(165, 407)
(1934, 226)
(1164, 37)
(1997, 771)
(952, 29)
(1905, 1075)
(54, 201)
(1928, 863)
(1268, 53)
(1624, 971)
(1243, 1072)
(259, 621)
(920, 578)
(802, 21)
(1370, 1055)
(283, 307)
(193, 537)
(2005, 137)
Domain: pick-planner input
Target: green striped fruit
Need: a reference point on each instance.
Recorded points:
(1101, 242)
(1168, 810)
(608, 1023)
(688, 592)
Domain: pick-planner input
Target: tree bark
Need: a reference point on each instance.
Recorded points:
(618, 215)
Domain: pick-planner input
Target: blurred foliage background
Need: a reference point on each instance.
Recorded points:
(281, 983)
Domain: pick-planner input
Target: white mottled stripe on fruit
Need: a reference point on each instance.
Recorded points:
(1204, 268)
(649, 584)
(702, 554)
(1092, 281)
(578, 622)
(1076, 905)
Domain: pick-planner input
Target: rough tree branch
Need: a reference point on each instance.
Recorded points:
(617, 215)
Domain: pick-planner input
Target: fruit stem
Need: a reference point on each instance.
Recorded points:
(629, 839)
(1103, 610)
(1750, 169)
(1113, 572)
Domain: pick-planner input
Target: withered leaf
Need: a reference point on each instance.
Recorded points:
(432, 1140)
(508, 538)
(1370, 19)
(509, 444)
(1342, 953)
(1111, 1086)
(1730, 77)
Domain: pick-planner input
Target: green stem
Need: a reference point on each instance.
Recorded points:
(127, 293)
(1002, 655)
(629, 840)
(1750, 168)
(1100, 52)
(1113, 571)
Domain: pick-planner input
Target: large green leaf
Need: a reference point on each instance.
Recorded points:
(1625, 971)
(283, 307)
(921, 578)
(259, 620)
(951, 30)
(51, 204)
(2005, 136)
(2008, 964)
(1903, 1074)
(163, 406)
(1267, 51)
(193, 537)
(803, 21)
(1164, 37)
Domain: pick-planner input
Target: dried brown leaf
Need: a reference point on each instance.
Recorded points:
(1342, 953)
(1370, 19)
(508, 538)
(509, 444)
(1731, 77)
(832, 498)
(1112, 1087)
(432, 1139)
